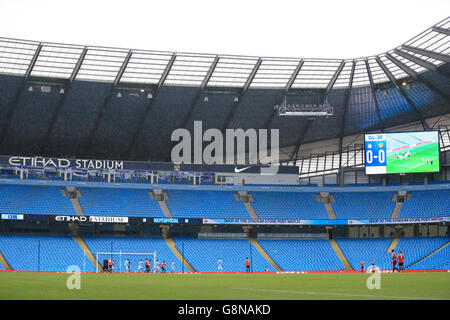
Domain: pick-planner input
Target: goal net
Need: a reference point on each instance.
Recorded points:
(127, 261)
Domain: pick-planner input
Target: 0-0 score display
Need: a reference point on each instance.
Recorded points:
(402, 152)
(376, 154)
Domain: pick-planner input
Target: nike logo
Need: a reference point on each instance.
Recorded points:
(236, 170)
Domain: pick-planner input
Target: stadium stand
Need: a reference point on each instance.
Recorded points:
(44, 253)
(303, 255)
(132, 245)
(415, 249)
(363, 205)
(21, 199)
(288, 205)
(56, 253)
(202, 204)
(426, 204)
(203, 254)
(367, 250)
(119, 202)
(438, 260)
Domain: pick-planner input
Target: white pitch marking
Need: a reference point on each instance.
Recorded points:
(340, 294)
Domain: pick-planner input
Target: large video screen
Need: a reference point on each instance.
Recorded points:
(403, 152)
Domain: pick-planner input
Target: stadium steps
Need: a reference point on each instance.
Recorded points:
(327, 203)
(87, 251)
(162, 203)
(74, 199)
(263, 252)
(77, 207)
(393, 244)
(171, 243)
(165, 208)
(430, 254)
(340, 254)
(251, 210)
(396, 211)
(330, 211)
(4, 262)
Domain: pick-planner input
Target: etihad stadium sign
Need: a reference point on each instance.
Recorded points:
(65, 163)
(101, 219)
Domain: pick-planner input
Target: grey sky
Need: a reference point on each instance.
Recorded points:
(279, 28)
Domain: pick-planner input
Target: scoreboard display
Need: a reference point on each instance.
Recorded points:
(402, 152)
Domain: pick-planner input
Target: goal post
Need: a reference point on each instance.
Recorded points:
(122, 256)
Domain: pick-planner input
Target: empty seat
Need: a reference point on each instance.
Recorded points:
(205, 204)
(119, 202)
(424, 204)
(21, 199)
(367, 250)
(203, 254)
(303, 255)
(288, 205)
(44, 253)
(363, 205)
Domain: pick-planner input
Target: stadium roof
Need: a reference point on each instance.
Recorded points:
(424, 52)
(408, 83)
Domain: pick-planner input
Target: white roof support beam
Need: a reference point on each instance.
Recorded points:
(441, 30)
(428, 53)
(122, 68)
(78, 65)
(252, 75)
(402, 66)
(166, 71)
(416, 60)
(335, 76)
(210, 72)
(294, 76)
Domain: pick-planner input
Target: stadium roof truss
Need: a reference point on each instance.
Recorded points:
(37, 59)
(130, 68)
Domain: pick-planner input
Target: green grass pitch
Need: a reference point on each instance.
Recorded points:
(414, 163)
(261, 286)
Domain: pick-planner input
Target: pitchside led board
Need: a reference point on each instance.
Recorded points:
(402, 152)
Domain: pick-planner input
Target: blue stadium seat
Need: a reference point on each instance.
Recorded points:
(119, 202)
(44, 253)
(363, 205)
(438, 260)
(367, 250)
(302, 255)
(288, 205)
(22, 199)
(424, 204)
(205, 204)
(415, 249)
(203, 254)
